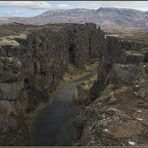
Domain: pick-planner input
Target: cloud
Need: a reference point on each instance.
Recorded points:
(140, 5)
(45, 5)
(32, 8)
(13, 13)
(63, 5)
(34, 5)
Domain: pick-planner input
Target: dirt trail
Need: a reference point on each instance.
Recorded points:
(54, 124)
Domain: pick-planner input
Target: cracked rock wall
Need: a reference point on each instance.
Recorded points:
(33, 60)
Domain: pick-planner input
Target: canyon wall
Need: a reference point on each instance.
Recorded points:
(115, 112)
(117, 51)
(33, 60)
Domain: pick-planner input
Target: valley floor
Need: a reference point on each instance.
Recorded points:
(54, 124)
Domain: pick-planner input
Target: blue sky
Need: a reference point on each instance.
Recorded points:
(32, 8)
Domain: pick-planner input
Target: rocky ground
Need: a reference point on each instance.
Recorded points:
(116, 117)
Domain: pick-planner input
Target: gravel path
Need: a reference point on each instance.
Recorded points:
(54, 125)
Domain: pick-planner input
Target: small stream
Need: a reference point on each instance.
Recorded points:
(54, 124)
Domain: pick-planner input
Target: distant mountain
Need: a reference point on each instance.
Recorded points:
(4, 20)
(104, 17)
(113, 17)
(66, 16)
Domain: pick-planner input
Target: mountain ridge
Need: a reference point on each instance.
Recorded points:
(104, 17)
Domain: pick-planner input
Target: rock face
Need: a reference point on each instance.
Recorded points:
(33, 60)
(13, 102)
(116, 107)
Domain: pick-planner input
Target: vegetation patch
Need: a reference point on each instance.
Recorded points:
(8, 42)
(118, 67)
(19, 36)
(106, 93)
(72, 72)
(12, 40)
(111, 93)
(134, 53)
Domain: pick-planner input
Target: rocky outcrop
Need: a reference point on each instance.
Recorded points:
(84, 43)
(122, 50)
(13, 102)
(116, 108)
(33, 60)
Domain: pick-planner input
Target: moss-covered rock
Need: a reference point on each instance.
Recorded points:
(106, 93)
(9, 42)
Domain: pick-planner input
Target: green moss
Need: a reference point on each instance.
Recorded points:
(108, 89)
(106, 92)
(19, 36)
(12, 40)
(117, 67)
(8, 42)
(134, 53)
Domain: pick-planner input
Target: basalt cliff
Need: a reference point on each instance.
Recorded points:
(114, 112)
(33, 60)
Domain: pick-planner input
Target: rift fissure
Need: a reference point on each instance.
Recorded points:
(32, 67)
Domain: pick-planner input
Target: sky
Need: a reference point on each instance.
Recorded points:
(33, 8)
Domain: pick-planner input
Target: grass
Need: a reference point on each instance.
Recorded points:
(72, 72)
(75, 73)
